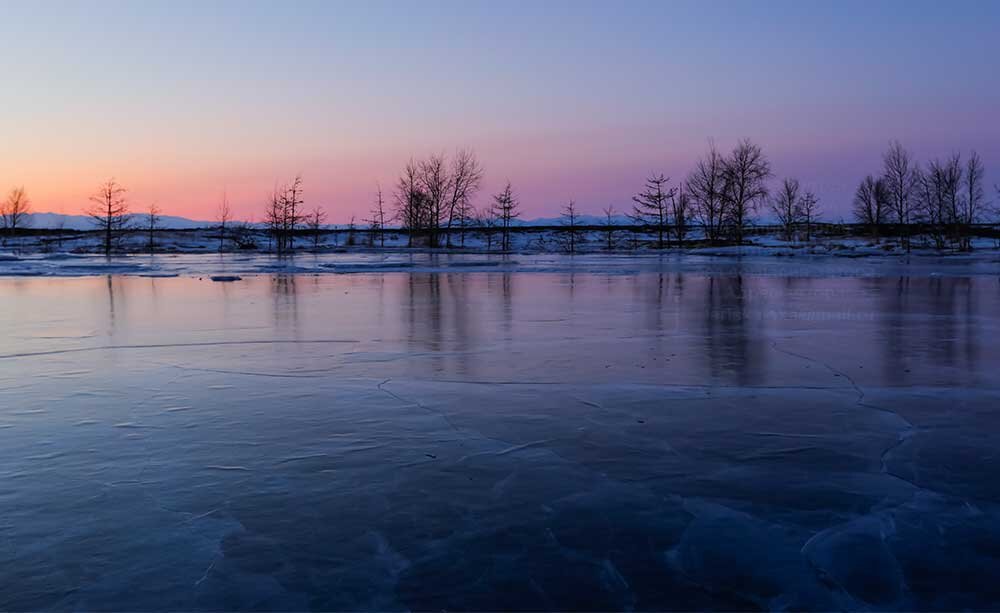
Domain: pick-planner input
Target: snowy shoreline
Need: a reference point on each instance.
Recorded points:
(748, 260)
(196, 253)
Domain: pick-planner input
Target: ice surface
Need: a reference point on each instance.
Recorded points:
(748, 260)
(597, 433)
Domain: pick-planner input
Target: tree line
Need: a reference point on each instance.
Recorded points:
(942, 198)
(432, 202)
(721, 195)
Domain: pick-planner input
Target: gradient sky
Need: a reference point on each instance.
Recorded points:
(180, 100)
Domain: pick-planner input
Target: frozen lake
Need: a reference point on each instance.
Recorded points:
(456, 434)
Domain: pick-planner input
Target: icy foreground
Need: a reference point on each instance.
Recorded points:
(677, 436)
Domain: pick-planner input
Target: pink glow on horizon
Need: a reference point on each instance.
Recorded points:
(603, 164)
(185, 101)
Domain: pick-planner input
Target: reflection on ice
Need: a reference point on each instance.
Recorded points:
(491, 440)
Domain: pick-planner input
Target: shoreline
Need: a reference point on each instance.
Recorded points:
(747, 260)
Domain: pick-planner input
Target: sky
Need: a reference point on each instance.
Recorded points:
(182, 101)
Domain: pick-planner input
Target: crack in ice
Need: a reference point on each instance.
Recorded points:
(909, 429)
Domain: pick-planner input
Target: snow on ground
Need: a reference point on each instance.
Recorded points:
(197, 253)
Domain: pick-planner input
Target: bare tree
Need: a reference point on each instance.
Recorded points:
(152, 223)
(973, 203)
(652, 206)
(925, 199)
(15, 210)
(224, 216)
(371, 224)
(953, 195)
(411, 201)
(707, 188)
(609, 227)
(291, 201)
(283, 215)
(437, 184)
(315, 221)
(785, 205)
(881, 195)
(486, 219)
(900, 175)
(570, 221)
(871, 201)
(432, 195)
(465, 217)
(109, 211)
(274, 217)
(378, 214)
(746, 172)
(940, 199)
(464, 183)
(505, 207)
(680, 210)
(809, 211)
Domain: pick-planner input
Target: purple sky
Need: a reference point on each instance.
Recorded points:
(567, 99)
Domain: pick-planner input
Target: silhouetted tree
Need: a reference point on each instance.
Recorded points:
(152, 223)
(291, 200)
(707, 188)
(283, 215)
(433, 195)
(411, 201)
(871, 200)
(901, 176)
(609, 229)
(506, 211)
(809, 211)
(486, 219)
(465, 217)
(745, 174)
(973, 206)
(571, 232)
(652, 206)
(274, 217)
(224, 216)
(940, 193)
(315, 221)
(786, 206)
(464, 182)
(436, 183)
(109, 212)
(378, 214)
(373, 230)
(15, 210)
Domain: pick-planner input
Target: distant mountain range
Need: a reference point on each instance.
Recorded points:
(583, 220)
(52, 221)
